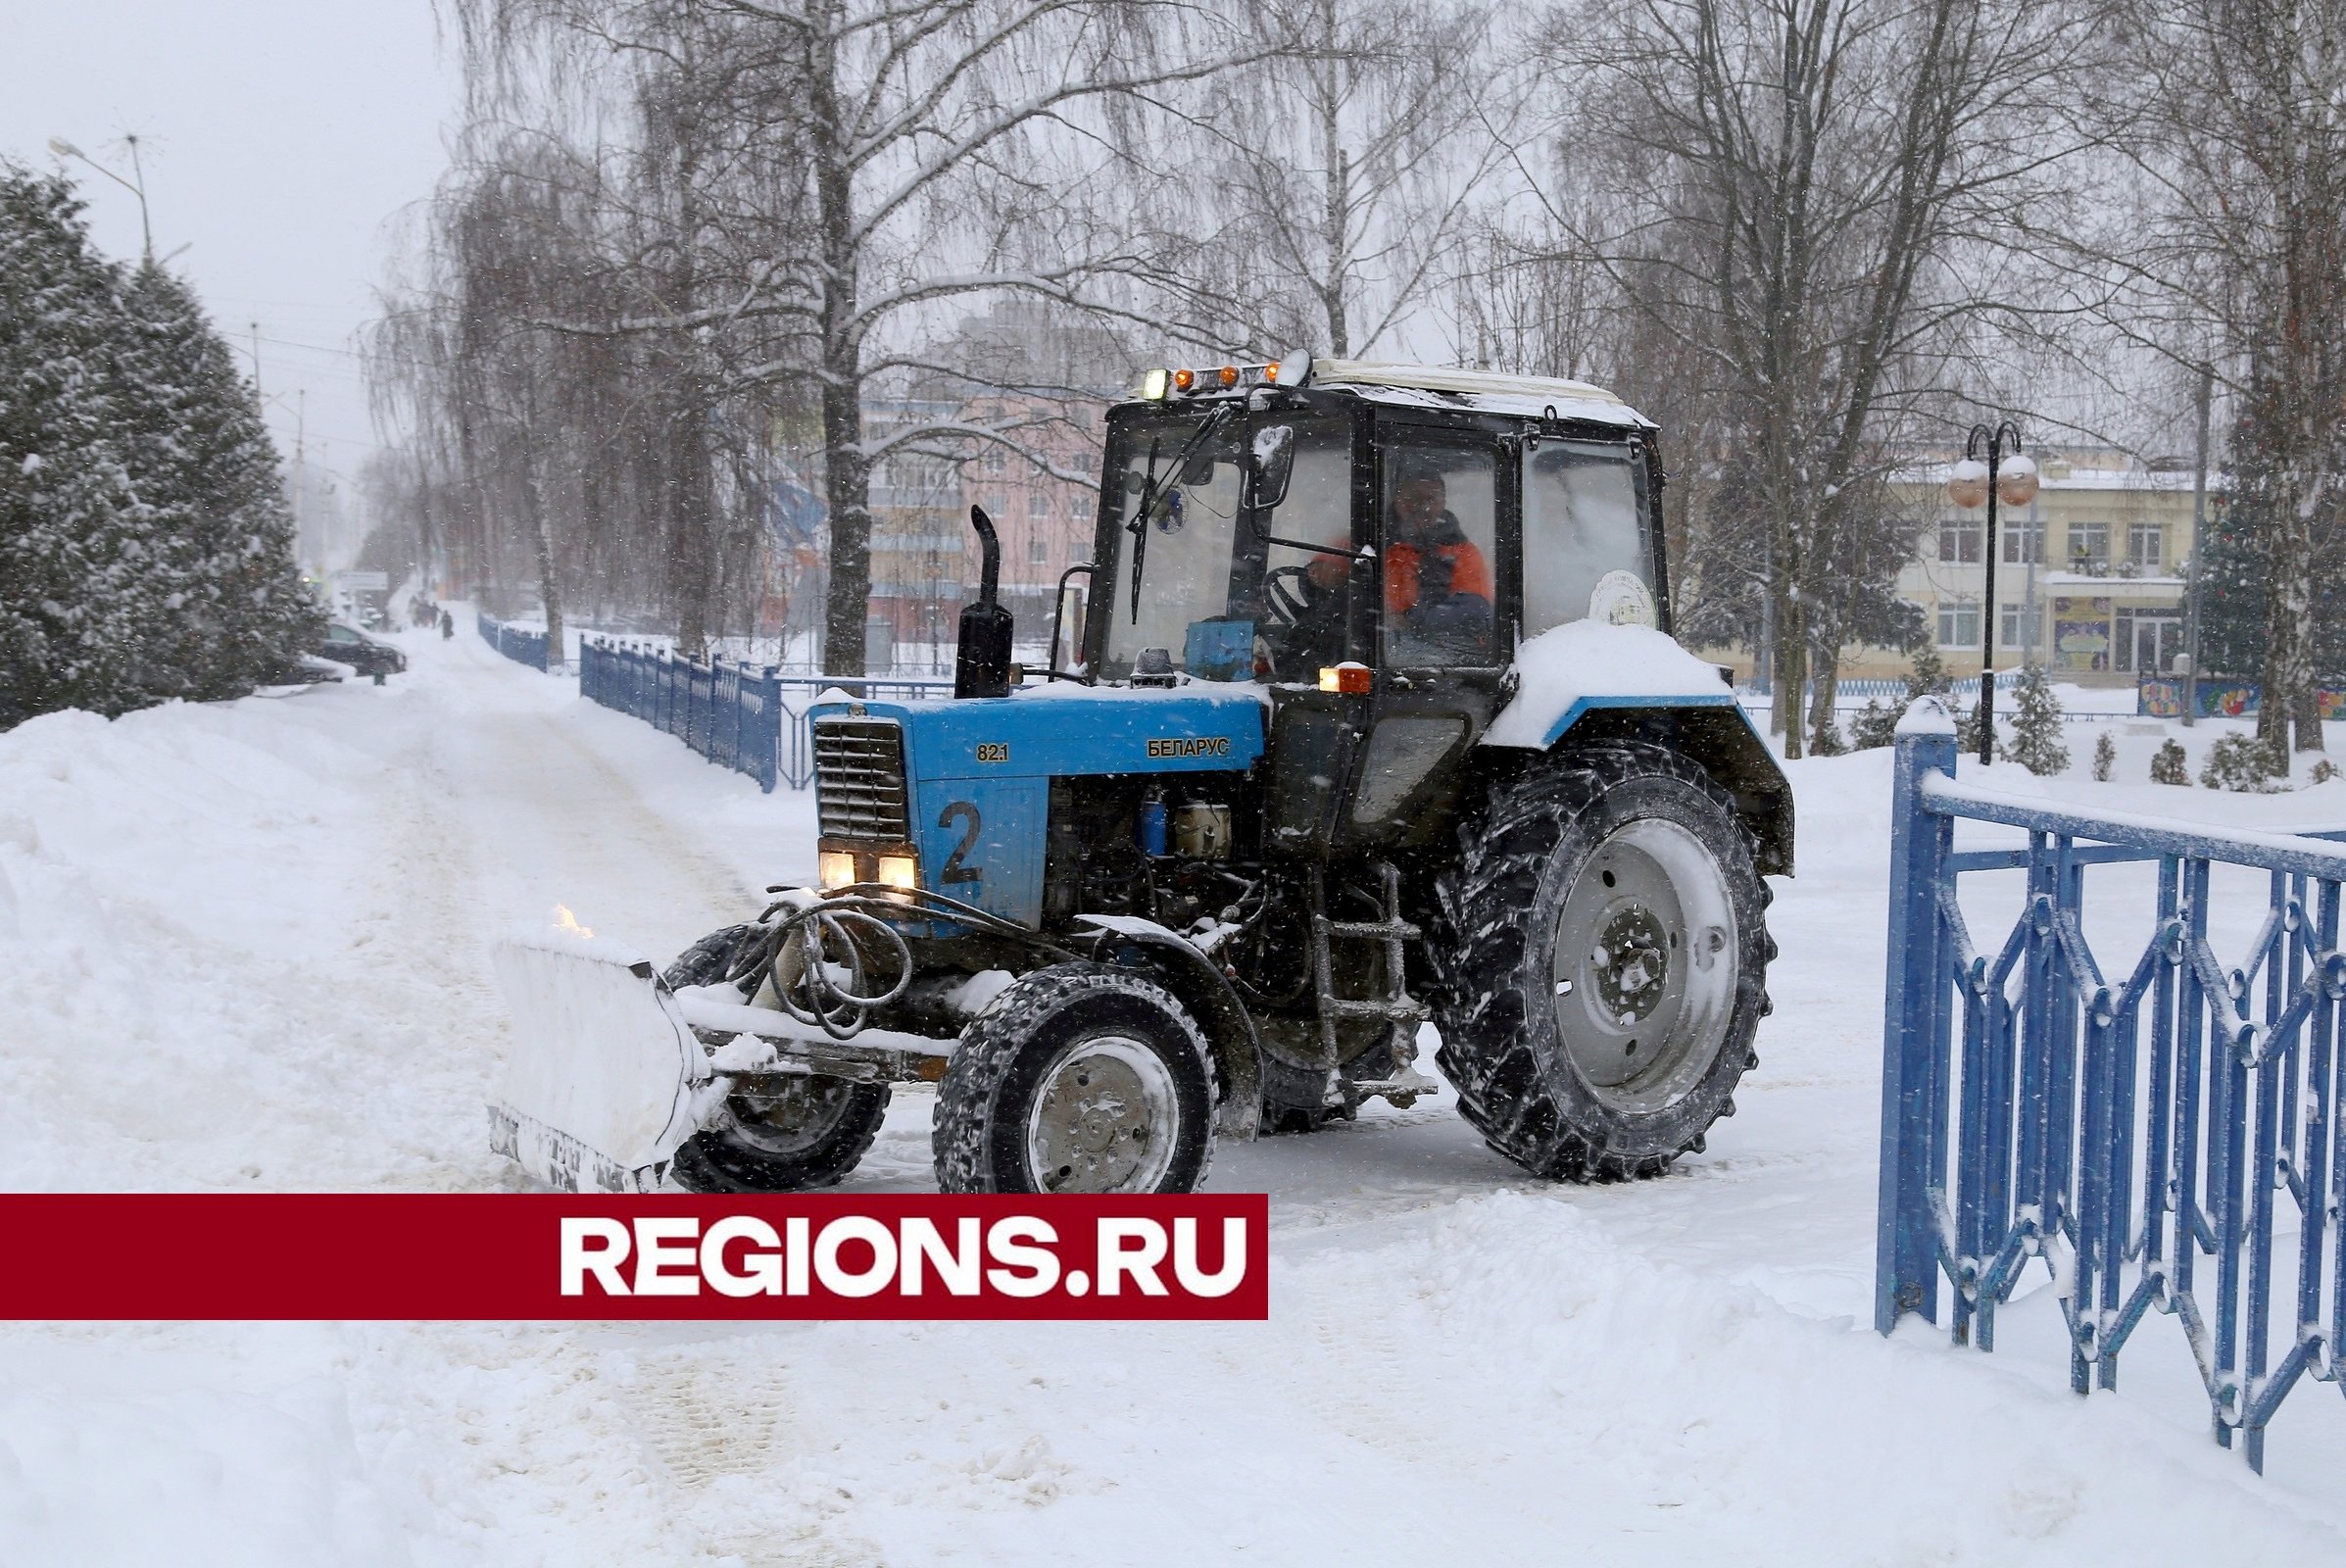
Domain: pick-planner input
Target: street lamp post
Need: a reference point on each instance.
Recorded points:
(2199, 544)
(2014, 482)
(137, 186)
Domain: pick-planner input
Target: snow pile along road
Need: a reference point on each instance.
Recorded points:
(247, 946)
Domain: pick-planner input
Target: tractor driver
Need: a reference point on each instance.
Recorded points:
(1437, 581)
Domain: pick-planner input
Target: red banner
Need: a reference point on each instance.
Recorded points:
(363, 1255)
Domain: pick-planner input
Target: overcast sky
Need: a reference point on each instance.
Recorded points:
(280, 139)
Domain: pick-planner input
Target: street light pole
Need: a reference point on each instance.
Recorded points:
(2199, 544)
(138, 187)
(1970, 483)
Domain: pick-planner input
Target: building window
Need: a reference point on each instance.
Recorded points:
(2018, 628)
(2023, 540)
(1038, 551)
(1959, 539)
(2089, 548)
(1958, 623)
(1038, 505)
(996, 459)
(2146, 547)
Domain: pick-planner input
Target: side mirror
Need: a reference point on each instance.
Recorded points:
(1274, 464)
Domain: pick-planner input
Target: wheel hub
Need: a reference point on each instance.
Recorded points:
(1104, 1120)
(793, 1118)
(1631, 963)
(1641, 999)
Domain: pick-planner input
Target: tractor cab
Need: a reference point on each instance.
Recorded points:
(1372, 544)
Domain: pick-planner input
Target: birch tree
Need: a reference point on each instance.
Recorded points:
(2244, 260)
(1807, 194)
(1335, 172)
(924, 133)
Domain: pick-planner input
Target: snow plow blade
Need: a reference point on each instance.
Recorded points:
(601, 1087)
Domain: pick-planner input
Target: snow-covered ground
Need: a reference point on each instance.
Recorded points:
(244, 946)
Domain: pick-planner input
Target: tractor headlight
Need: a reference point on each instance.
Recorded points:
(835, 868)
(899, 871)
(1153, 385)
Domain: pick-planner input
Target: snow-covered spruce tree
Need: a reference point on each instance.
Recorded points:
(1928, 675)
(2246, 764)
(145, 547)
(2171, 764)
(2105, 757)
(1876, 725)
(2035, 742)
(220, 534)
(72, 611)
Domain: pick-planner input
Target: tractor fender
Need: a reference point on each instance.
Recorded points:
(1590, 681)
(1721, 741)
(1132, 942)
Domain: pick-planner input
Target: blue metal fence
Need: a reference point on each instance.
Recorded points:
(2126, 1133)
(748, 717)
(516, 643)
(1857, 689)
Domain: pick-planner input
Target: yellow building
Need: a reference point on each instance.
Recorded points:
(2088, 575)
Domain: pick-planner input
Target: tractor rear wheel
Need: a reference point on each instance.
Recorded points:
(1078, 1078)
(1603, 968)
(811, 1134)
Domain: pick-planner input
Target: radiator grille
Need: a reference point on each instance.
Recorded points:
(860, 781)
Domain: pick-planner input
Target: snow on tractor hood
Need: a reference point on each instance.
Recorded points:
(1570, 669)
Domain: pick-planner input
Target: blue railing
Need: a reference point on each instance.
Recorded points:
(2125, 1133)
(748, 717)
(516, 643)
(1860, 688)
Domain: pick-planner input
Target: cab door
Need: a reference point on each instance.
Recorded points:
(1446, 507)
(1312, 544)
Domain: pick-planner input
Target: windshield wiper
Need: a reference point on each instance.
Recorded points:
(1150, 494)
(1139, 526)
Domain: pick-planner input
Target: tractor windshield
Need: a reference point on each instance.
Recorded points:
(1227, 597)
(1174, 485)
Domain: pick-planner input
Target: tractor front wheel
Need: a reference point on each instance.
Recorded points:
(809, 1134)
(1603, 968)
(1078, 1078)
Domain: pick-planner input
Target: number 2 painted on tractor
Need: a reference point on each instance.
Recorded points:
(954, 870)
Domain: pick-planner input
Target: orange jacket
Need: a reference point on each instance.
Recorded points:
(1470, 573)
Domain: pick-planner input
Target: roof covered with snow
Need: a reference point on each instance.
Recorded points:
(1441, 387)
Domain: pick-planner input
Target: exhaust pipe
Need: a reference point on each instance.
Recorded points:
(982, 659)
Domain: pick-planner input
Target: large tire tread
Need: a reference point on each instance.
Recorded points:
(1480, 1006)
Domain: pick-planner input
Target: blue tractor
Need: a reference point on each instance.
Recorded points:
(1370, 716)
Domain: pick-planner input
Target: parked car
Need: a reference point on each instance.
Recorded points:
(345, 644)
